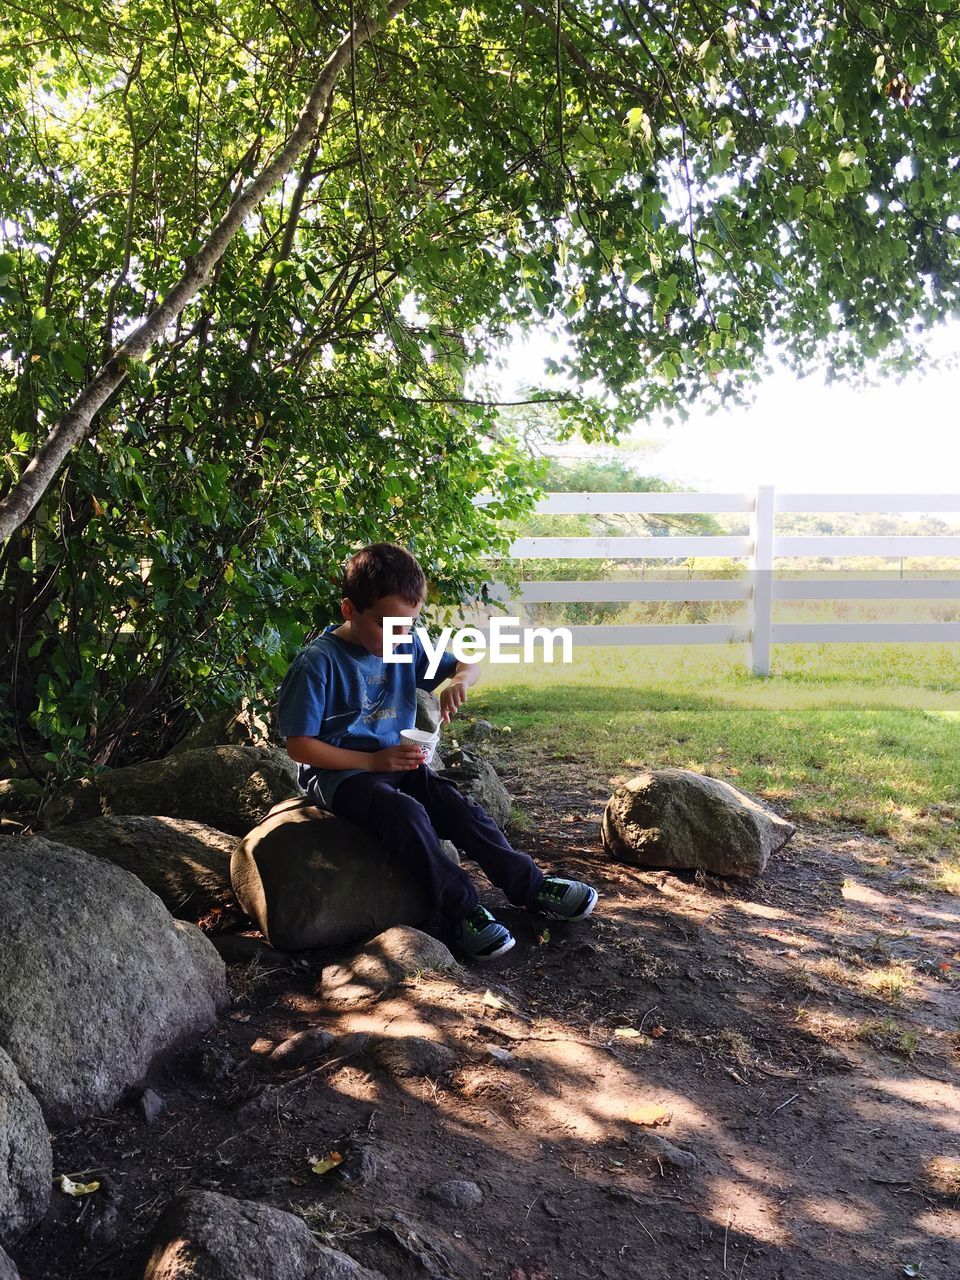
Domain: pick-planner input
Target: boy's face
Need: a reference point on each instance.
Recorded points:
(366, 625)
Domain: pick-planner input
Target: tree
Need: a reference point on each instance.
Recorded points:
(685, 188)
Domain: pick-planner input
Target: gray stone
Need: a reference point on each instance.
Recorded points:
(7, 1270)
(301, 1047)
(360, 1163)
(226, 726)
(213, 1064)
(503, 1057)
(229, 788)
(456, 1194)
(207, 1236)
(385, 961)
(311, 879)
(413, 1056)
(676, 818)
(477, 779)
(479, 731)
(26, 1165)
(428, 711)
(97, 980)
(665, 1152)
(152, 1106)
(185, 863)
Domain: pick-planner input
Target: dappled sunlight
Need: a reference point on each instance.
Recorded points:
(841, 1215)
(761, 911)
(944, 1224)
(750, 1211)
(940, 1096)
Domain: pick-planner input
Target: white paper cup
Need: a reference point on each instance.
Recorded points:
(420, 737)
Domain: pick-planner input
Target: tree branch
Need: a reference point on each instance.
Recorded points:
(70, 429)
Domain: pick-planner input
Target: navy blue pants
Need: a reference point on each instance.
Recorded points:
(411, 811)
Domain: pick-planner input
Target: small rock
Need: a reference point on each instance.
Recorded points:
(479, 730)
(102, 1228)
(455, 1194)
(212, 1065)
(151, 1105)
(382, 963)
(413, 1056)
(203, 1235)
(360, 1164)
(502, 1056)
(666, 1153)
(300, 1048)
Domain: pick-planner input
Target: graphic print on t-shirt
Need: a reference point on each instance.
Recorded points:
(373, 708)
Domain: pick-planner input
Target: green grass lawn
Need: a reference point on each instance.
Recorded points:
(852, 736)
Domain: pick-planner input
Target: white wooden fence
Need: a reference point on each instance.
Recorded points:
(759, 587)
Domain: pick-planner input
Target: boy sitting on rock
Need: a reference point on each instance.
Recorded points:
(341, 710)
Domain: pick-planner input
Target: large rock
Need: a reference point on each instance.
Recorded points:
(311, 879)
(97, 980)
(207, 1236)
(227, 726)
(675, 818)
(26, 1165)
(229, 788)
(186, 864)
(478, 781)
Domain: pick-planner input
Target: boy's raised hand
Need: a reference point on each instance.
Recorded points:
(407, 755)
(452, 698)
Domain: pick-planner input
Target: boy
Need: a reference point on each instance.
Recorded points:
(341, 710)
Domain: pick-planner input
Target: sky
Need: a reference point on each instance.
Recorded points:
(804, 436)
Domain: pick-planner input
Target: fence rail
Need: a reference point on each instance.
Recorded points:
(759, 588)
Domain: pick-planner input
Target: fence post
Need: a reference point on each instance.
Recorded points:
(761, 579)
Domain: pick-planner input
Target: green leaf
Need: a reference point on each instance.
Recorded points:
(869, 18)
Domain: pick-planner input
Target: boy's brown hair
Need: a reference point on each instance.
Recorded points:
(383, 569)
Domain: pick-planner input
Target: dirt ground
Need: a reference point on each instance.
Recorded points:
(798, 1036)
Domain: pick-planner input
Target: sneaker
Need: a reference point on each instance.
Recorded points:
(568, 899)
(482, 936)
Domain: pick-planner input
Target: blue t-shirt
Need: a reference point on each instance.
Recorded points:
(343, 694)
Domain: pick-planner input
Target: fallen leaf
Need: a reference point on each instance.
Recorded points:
(495, 1002)
(650, 1114)
(75, 1188)
(627, 1033)
(327, 1163)
(657, 1032)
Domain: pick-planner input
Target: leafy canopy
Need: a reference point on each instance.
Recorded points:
(684, 187)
